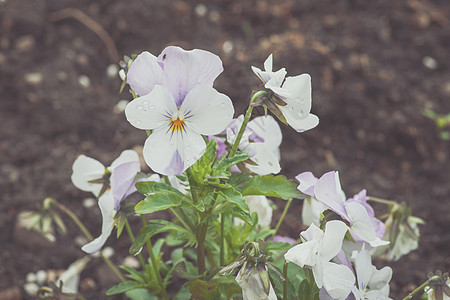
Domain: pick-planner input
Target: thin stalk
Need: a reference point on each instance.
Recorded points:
(248, 114)
(285, 268)
(180, 219)
(155, 264)
(86, 232)
(418, 289)
(201, 235)
(379, 200)
(132, 239)
(222, 238)
(281, 218)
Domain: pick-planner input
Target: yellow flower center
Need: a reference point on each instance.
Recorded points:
(177, 125)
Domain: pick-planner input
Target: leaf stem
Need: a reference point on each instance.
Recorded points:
(285, 268)
(222, 240)
(132, 239)
(244, 123)
(380, 200)
(281, 218)
(86, 232)
(418, 289)
(155, 263)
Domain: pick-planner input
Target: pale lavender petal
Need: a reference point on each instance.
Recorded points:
(121, 180)
(307, 183)
(221, 147)
(266, 130)
(326, 191)
(343, 259)
(184, 70)
(332, 239)
(84, 170)
(106, 204)
(144, 73)
(124, 157)
(152, 110)
(207, 111)
(338, 280)
(170, 153)
(361, 198)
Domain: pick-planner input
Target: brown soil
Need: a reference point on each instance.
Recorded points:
(370, 87)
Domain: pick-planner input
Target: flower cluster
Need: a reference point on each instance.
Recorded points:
(214, 174)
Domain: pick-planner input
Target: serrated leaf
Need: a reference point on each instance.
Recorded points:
(202, 167)
(222, 165)
(272, 186)
(124, 287)
(157, 202)
(233, 196)
(134, 274)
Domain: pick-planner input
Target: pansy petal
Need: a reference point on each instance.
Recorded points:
(152, 110)
(268, 63)
(171, 152)
(326, 191)
(363, 268)
(85, 169)
(332, 240)
(124, 157)
(300, 89)
(267, 162)
(338, 280)
(144, 73)
(184, 70)
(380, 278)
(307, 182)
(311, 211)
(303, 254)
(121, 180)
(106, 204)
(207, 111)
(298, 119)
(268, 129)
(361, 225)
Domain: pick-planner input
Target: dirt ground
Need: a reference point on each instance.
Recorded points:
(375, 67)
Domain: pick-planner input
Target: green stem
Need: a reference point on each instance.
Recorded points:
(155, 263)
(88, 235)
(180, 219)
(281, 218)
(244, 123)
(418, 289)
(201, 235)
(222, 239)
(285, 268)
(379, 200)
(132, 239)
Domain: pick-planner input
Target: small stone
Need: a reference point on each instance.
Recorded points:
(200, 10)
(25, 43)
(120, 106)
(84, 81)
(227, 46)
(430, 62)
(214, 16)
(41, 277)
(108, 252)
(61, 75)
(12, 293)
(80, 240)
(131, 262)
(31, 288)
(33, 78)
(112, 70)
(31, 277)
(89, 202)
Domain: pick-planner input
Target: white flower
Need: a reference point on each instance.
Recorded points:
(317, 251)
(373, 284)
(88, 172)
(294, 91)
(176, 142)
(312, 209)
(407, 238)
(249, 279)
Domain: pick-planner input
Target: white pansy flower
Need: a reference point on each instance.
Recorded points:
(294, 91)
(317, 251)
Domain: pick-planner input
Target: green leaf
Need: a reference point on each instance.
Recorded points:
(158, 202)
(124, 287)
(272, 186)
(221, 166)
(202, 290)
(134, 274)
(202, 167)
(150, 187)
(233, 196)
(138, 294)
